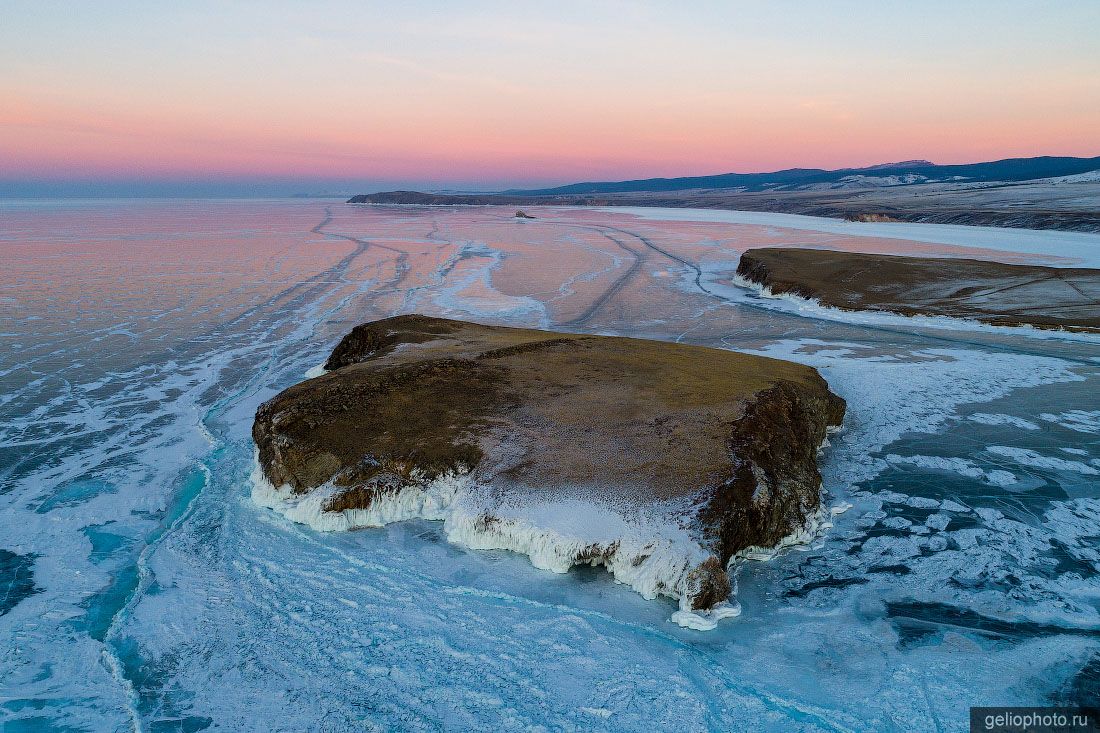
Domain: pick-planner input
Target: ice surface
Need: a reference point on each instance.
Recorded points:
(1082, 421)
(649, 549)
(1028, 457)
(890, 396)
(961, 466)
(166, 599)
(986, 418)
(1083, 248)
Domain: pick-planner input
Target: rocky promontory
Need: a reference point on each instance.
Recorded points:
(989, 292)
(660, 461)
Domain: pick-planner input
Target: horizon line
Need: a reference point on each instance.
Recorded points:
(263, 186)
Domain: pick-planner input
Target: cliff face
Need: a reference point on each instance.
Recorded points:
(991, 292)
(688, 455)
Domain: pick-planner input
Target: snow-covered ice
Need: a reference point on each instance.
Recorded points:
(1079, 248)
(163, 597)
(652, 550)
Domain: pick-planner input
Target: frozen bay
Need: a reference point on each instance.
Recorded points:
(143, 589)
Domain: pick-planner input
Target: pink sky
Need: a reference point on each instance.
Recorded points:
(497, 96)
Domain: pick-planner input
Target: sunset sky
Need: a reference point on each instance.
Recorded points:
(486, 95)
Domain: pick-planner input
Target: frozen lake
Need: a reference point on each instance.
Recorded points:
(141, 588)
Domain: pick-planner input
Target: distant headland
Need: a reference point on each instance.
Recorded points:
(1045, 192)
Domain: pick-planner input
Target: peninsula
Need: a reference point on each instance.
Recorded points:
(995, 293)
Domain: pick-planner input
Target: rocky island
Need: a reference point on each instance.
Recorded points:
(989, 292)
(660, 461)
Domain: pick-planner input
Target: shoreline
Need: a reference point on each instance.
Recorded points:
(649, 553)
(945, 292)
(1038, 205)
(1056, 248)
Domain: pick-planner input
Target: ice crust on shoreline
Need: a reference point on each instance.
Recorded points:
(813, 308)
(650, 551)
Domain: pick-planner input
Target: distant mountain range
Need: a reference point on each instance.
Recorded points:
(1031, 193)
(808, 179)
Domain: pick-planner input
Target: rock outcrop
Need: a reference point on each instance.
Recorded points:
(990, 292)
(661, 461)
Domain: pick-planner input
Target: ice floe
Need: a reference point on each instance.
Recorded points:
(961, 466)
(1082, 421)
(1028, 457)
(987, 418)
